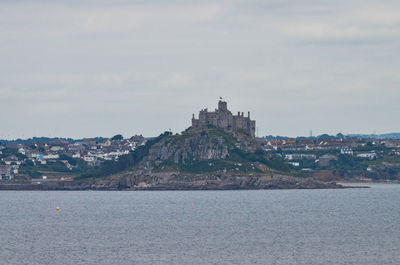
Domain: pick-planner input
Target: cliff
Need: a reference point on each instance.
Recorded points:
(194, 148)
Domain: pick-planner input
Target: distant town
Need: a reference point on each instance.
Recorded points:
(56, 159)
(326, 157)
(341, 157)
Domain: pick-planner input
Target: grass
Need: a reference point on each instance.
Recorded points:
(229, 139)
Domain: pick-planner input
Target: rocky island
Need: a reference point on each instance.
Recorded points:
(218, 152)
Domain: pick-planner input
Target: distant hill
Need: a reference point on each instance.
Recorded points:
(47, 140)
(394, 136)
(377, 136)
(268, 137)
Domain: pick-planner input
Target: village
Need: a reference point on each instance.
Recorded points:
(39, 160)
(335, 157)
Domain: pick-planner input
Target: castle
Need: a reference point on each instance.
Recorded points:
(223, 118)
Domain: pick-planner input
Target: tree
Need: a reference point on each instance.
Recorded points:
(325, 136)
(340, 135)
(124, 162)
(117, 137)
(29, 163)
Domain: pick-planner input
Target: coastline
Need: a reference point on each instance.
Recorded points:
(203, 182)
(366, 181)
(198, 182)
(149, 182)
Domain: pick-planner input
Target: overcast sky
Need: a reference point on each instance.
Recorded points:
(97, 68)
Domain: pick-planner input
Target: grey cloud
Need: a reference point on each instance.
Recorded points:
(145, 66)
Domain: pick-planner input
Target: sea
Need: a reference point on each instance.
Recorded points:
(342, 226)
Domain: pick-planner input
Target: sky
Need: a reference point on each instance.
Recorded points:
(72, 68)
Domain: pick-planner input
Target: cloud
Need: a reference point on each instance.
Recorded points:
(179, 80)
(366, 24)
(381, 15)
(124, 66)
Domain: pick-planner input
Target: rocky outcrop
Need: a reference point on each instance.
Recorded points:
(67, 185)
(196, 147)
(209, 182)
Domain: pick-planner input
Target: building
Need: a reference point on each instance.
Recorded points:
(51, 156)
(56, 148)
(325, 160)
(6, 172)
(300, 156)
(346, 151)
(223, 118)
(295, 164)
(370, 156)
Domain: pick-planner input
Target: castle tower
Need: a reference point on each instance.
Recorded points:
(222, 105)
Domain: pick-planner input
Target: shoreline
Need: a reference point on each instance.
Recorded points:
(361, 182)
(147, 183)
(41, 187)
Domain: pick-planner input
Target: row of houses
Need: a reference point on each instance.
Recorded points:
(91, 150)
(293, 144)
(325, 160)
(7, 172)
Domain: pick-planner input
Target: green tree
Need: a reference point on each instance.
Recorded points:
(124, 162)
(117, 137)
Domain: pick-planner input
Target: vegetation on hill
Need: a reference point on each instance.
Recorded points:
(238, 160)
(11, 151)
(54, 167)
(347, 162)
(117, 137)
(124, 162)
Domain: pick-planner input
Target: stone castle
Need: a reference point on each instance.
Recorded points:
(223, 118)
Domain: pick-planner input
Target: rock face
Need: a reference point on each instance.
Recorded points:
(198, 147)
(173, 181)
(195, 146)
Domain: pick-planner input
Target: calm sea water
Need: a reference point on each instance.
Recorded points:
(352, 226)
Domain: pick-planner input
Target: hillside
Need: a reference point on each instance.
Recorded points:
(210, 159)
(209, 151)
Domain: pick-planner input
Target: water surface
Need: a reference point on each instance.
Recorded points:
(351, 226)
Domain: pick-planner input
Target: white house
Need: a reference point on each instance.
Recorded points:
(56, 148)
(51, 156)
(370, 156)
(21, 151)
(346, 151)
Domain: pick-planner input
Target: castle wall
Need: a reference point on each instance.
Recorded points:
(223, 118)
